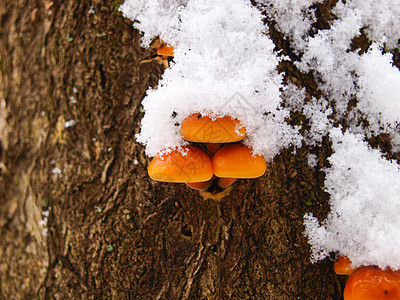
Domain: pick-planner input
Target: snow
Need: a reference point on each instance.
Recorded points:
(44, 221)
(364, 222)
(72, 99)
(225, 64)
(69, 123)
(338, 70)
(379, 19)
(56, 171)
(363, 186)
(379, 81)
(318, 112)
(312, 160)
(293, 17)
(223, 60)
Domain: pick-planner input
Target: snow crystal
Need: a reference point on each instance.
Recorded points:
(56, 171)
(379, 81)
(312, 160)
(43, 222)
(337, 70)
(318, 112)
(155, 18)
(379, 19)
(224, 65)
(72, 99)
(326, 56)
(69, 123)
(364, 222)
(293, 18)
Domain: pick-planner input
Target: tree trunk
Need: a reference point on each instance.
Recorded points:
(73, 75)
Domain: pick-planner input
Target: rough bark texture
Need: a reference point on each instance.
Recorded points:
(112, 232)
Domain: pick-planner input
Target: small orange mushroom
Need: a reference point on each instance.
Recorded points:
(189, 164)
(166, 50)
(343, 266)
(203, 129)
(238, 161)
(372, 283)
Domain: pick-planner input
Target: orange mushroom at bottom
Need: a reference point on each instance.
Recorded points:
(238, 161)
(372, 283)
(187, 164)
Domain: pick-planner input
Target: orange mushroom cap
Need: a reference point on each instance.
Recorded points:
(238, 161)
(166, 50)
(188, 164)
(203, 129)
(343, 266)
(372, 283)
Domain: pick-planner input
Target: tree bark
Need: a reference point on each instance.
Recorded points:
(112, 232)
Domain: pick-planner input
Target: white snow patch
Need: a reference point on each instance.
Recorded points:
(293, 17)
(312, 160)
(364, 222)
(318, 112)
(338, 71)
(69, 123)
(72, 99)
(44, 221)
(155, 17)
(379, 81)
(56, 171)
(224, 65)
(379, 19)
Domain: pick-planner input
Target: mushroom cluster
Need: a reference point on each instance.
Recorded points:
(368, 282)
(215, 156)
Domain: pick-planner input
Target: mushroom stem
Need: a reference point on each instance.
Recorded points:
(200, 186)
(224, 182)
(212, 148)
